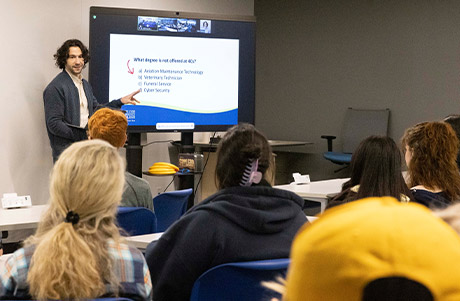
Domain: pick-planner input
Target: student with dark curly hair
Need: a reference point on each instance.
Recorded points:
(245, 220)
(431, 151)
(69, 99)
(375, 171)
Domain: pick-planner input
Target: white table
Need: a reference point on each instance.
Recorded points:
(28, 218)
(317, 191)
(139, 241)
(21, 218)
(142, 241)
(311, 218)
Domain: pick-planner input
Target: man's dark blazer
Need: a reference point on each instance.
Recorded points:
(62, 111)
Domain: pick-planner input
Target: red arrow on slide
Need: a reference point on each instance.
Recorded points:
(129, 69)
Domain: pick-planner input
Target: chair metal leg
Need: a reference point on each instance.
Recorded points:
(341, 168)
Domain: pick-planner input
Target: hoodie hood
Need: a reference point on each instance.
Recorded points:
(257, 209)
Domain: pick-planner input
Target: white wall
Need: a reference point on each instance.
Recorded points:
(30, 32)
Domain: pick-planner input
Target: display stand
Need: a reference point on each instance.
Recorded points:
(187, 180)
(134, 154)
(134, 160)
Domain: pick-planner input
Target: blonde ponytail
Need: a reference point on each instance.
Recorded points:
(71, 260)
(59, 261)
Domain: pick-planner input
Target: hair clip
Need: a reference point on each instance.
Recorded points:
(251, 174)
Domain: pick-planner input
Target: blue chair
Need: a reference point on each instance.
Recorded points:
(239, 281)
(170, 206)
(137, 220)
(358, 125)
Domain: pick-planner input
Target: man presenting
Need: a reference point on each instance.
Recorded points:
(69, 99)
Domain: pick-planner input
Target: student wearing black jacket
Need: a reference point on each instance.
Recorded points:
(246, 220)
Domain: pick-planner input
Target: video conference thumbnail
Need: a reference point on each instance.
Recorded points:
(145, 23)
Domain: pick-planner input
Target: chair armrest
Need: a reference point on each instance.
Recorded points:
(329, 141)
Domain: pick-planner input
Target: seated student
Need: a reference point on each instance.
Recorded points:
(375, 249)
(245, 220)
(375, 171)
(430, 151)
(110, 125)
(77, 251)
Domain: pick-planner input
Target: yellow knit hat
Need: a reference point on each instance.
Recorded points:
(336, 256)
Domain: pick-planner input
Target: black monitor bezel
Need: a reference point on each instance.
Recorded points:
(248, 115)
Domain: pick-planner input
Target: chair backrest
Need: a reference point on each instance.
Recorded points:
(170, 206)
(360, 124)
(239, 281)
(137, 220)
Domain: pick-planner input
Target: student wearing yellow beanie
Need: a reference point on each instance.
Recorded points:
(375, 249)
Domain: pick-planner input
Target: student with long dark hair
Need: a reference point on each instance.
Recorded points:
(245, 220)
(375, 171)
(431, 152)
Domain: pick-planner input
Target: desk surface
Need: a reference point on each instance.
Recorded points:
(273, 143)
(28, 218)
(138, 241)
(317, 189)
(21, 218)
(312, 218)
(142, 241)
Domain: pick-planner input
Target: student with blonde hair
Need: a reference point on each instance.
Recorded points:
(77, 251)
(111, 125)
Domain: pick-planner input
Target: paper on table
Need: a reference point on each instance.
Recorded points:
(300, 179)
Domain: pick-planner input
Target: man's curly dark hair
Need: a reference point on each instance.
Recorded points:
(62, 54)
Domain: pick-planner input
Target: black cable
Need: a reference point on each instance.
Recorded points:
(159, 141)
(170, 183)
(205, 163)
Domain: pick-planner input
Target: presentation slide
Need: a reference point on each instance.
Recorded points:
(183, 78)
